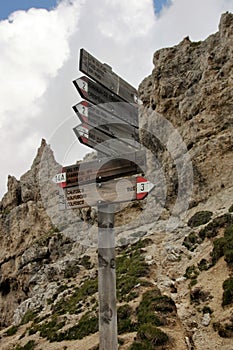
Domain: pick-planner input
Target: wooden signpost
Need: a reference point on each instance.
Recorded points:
(101, 170)
(107, 123)
(93, 137)
(103, 74)
(110, 126)
(105, 99)
(117, 191)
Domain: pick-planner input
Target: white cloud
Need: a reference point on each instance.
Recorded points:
(39, 59)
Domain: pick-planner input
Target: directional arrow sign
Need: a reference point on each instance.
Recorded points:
(102, 73)
(114, 191)
(143, 187)
(104, 169)
(100, 141)
(98, 95)
(107, 123)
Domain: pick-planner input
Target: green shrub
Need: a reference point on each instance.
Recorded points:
(228, 292)
(212, 229)
(191, 272)
(124, 322)
(152, 335)
(11, 331)
(231, 209)
(85, 261)
(130, 266)
(207, 310)
(224, 330)
(29, 346)
(203, 265)
(71, 271)
(218, 250)
(152, 305)
(191, 241)
(29, 316)
(229, 256)
(139, 346)
(87, 325)
(197, 295)
(200, 218)
(224, 247)
(48, 329)
(72, 304)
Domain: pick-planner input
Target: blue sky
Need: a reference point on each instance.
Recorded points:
(159, 4)
(39, 59)
(9, 6)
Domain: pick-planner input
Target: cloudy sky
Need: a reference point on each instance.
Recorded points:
(39, 52)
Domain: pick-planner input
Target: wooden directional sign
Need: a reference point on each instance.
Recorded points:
(117, 191)
(104, 169)
(107, 123)
(104, 75)
(94, 138)
(98, 95)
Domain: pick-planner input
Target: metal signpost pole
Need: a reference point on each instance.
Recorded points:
(107, 279)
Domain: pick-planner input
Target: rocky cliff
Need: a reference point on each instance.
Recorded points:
(174, 250)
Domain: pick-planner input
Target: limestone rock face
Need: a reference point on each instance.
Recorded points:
(191, 86)
(48, 257)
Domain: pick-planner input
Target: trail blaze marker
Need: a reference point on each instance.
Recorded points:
(143, 187)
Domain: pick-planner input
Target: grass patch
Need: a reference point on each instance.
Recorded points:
(130, 266)
(200, 218)
(224, 330)
(212, 229)
(72, 269)
(191, 272)
(191, 241)
(228, 292)
(29, 346)
(124, 322)
(29, 316)
(73, 304)
(197, 295)
(48, 329)
(224, 247)
(85, 261)
(88, 324)
(151, 313)
(203, 265)
(207, 310)
(11, 331)
(149, 337)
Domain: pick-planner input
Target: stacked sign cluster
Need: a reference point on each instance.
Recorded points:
(109, 124)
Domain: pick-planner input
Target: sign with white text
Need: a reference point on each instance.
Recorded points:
(103, 74)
